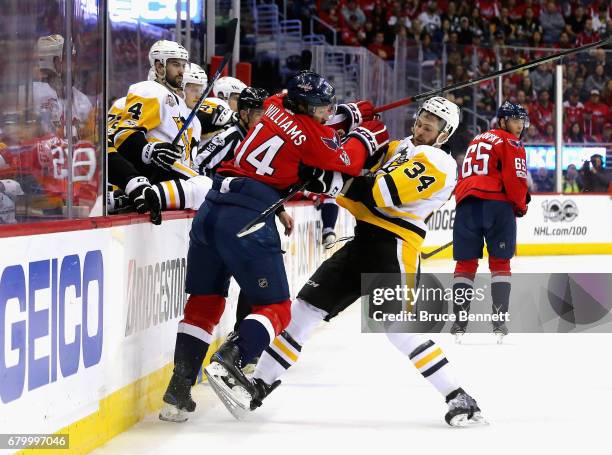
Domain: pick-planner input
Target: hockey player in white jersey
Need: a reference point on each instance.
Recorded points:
(391, 203)
(151, 117)
(229, 89)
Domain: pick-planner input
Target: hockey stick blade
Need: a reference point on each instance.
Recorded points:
(255, 227)
(256, 223)
(231, 30)
(425, 256)
(486, 77)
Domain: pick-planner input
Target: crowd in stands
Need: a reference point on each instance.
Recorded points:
(474, 33)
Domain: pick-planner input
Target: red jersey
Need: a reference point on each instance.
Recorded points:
(495, 168)
(272, 151)
(599, 114)
(573, 114)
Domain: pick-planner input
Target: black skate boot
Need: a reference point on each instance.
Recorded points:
(462, 410)
(458, 329)
(500, 331)
(177, 399)
(262, 390)
(227, 379)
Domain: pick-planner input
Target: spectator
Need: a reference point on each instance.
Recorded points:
(598, 114)
(583, 94)
(575, 23)
(430, 18)
(350, 9)
(596, 81)
(549, 133)
(379, 47)
(575, 135)
(527, 26)
(489, 9)
(564, 41)
(571, 180)
(543, 181)
(552, 23)
(465, 33)
(542, 78)
(600, 20)
(573, 109)
(477, 24)
(588, 35)
(452, 16)
(505, 24)
(595, 177)
(606, 95)
(532, 136)
(526, 86)
(541, 112)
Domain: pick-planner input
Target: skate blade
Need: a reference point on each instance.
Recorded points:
(171, 413)
(462, 420)
(236, 399)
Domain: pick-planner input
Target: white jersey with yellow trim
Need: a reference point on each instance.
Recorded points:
(152, 108)
(411, 183)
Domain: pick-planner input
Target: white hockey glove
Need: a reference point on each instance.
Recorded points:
(162, 154)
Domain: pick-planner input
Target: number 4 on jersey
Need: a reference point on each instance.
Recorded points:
(261, 157)
(414, 172)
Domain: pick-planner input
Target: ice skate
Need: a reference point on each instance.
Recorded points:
(500, 331)
(463, 410)
(177, 400)
(262, 390)
(227, 379)
(458, 330)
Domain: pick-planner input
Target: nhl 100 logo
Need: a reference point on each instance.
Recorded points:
(555, 210)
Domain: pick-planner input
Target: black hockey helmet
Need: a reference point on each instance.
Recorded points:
(252, 98)
(310, 89)
(513, 110)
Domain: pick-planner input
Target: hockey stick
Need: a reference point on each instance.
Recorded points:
(258, 222)
(425, 256)
(513, 69)
(177, 165)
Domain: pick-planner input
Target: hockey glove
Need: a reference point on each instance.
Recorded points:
(355, 113)
(223, 116)
(321, 181)
(144, 198)
(375, 138)
(161, 154)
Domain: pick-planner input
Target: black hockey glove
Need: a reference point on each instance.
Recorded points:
(320, 181)
(161, 154)
(144, 198)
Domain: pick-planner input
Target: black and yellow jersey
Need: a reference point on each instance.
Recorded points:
(153, 110)
(410, 183)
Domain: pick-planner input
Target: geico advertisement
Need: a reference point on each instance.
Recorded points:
(52, 320)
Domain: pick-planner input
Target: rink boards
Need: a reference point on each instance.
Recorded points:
(89, 309)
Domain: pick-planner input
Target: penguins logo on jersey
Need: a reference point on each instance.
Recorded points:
(186, 137)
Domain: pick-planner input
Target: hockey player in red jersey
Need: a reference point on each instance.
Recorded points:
(491, 192)
(267, 163)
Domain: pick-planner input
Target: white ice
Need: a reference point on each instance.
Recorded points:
(354, 393)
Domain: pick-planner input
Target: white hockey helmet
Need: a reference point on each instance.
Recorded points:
(47, 48)
(163, 50)
(447, 111)
(194, 74)
(226, 86)
(11, 188)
